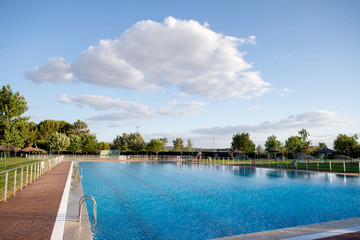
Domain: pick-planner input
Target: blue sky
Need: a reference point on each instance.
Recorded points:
(200, 70)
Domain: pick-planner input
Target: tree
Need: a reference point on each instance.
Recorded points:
(272, 143)
(75, 143)
(80, 127)
(304, 137)
(293, 144)
(321, 145)
(345, 144)
(189, 146)
(259, 149)
(47, 127)
(155, 145)
(58, 142)
(121, 142)
(104, 146)
(31, 132)
(136, 142)
(89, 143)
(243, 143)
(165, 140)
(12, 125)
(178, 144)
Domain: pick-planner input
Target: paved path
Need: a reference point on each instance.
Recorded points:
(31, 214)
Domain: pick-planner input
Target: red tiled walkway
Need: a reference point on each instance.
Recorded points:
(31, 214)
(348, 236)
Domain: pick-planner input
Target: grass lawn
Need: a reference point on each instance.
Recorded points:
(14, 162)
(11, 163)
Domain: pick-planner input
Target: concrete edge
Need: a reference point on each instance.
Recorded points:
(59, 225)
(74, 229)
(312, 231)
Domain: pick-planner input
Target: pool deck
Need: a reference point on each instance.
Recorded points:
(33, 212)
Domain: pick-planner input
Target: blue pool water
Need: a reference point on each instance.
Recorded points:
(141, 200)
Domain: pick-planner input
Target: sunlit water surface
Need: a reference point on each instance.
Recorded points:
(166, 200)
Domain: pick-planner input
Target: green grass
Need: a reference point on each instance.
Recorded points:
(11, 163)
(14, 162)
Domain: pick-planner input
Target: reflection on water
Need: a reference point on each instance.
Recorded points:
(275, 173)
(246, 171)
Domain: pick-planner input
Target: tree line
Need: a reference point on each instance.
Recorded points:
(343, 144)
(54, 135)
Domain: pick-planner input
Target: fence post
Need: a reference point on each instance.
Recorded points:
(15, 180)
(344, 166)
(31, 173)
(27, 175)
(21, 181)
(330, 165)
(318, 165)
(6, 182)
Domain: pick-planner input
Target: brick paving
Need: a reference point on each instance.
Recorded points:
(31, 214)
(348, 236)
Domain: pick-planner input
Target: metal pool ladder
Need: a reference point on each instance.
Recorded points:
(82, 200)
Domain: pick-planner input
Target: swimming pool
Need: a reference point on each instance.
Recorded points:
(148, 200)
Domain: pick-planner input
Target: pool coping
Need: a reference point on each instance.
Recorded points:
(312, 231)
(73, 229)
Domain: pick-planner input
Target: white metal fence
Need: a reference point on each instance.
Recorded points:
(16, 179)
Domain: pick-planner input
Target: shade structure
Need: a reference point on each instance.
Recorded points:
(32, 149)
(326, 150)
(275, 150)
(8, 148)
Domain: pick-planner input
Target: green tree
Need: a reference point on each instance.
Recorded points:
(178, 144)
(272, 143)
(58, 142)
(345, 144)
(189, 146)
(165, 140)
(293, 144)
(12, 125)
(75, 143)
(80, 127)
(89, 143)
(155, 145)
(136, 142)
(31, 132)
(243, 143)
(47, 127)
(121, 142)
(304, 137)
(321, 145)
(65, 127)
(104, 146)
(259, 149)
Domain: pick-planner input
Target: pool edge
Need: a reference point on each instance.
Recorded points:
(74, 229)
(301, 232)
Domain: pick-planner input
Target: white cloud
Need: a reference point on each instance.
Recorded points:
(104, 103)
(179, 109)
(152, 55)
(319, 118)
(132, 110)
(55, 70)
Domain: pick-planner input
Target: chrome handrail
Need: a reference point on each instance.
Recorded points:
(82, 200)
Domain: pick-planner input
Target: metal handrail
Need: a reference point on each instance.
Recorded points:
(82, 200)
